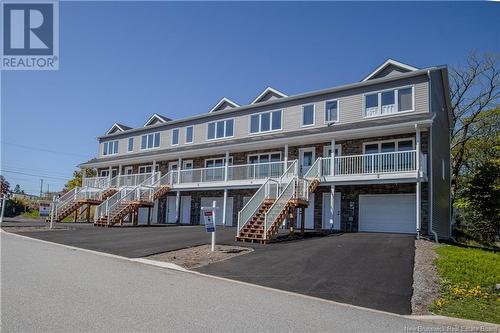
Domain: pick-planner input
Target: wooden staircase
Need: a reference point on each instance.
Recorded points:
(253, 231)
(161, 191)
(120, 211)
(313, 185)
(108, 193)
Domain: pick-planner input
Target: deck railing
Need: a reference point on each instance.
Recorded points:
(392, 162)
(96, 182)
(278, 205)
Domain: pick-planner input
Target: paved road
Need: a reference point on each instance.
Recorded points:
(50, 288)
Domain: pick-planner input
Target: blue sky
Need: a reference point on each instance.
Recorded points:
(123, 61)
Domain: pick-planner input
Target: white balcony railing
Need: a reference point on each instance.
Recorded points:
(381, 163)
(96, 182)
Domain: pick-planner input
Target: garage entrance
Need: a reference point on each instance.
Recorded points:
(387, 213)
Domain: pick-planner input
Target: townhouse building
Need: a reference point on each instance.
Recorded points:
(371, 156)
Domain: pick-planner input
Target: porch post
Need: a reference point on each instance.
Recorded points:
(119, 169)
(177, 206)
(332, 205)
(286, 157)
(224, 208)
(179, 164)
(226, 168)
(419, 185)
(332, 161)
(153, 170)
(110, 170)
(82, 170)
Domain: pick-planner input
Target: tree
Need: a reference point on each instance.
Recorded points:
(480, 202)
(4, 185)
(474, 89)
(77, 178)
(17, 189)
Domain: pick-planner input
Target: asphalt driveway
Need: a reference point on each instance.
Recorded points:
(366, 269)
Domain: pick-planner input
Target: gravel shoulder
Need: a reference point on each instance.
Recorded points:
(199, 256)
(425, 277)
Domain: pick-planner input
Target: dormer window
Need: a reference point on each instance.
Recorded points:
(389, 102)
(110, 148)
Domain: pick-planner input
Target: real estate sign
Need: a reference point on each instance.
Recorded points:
(209, 218)
(44, 209)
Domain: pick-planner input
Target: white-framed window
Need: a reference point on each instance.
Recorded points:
(148, 168)
(308, 115)
(150, 141)
(175, 136)
(264, 158)
(189, 134)
(110, 148)
(130, 146)
(332, 111)
(105, 172)
(220, 129)
(217, 162)
(389, 101)
(266, 122)
(387, 146)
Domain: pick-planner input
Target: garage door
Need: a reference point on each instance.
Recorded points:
(387, 213)
(219, 203)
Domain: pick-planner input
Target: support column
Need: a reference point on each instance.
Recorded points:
(110, 171)
(149, 215)
(179, 166)
(332, 206)
(332, 161)
(87, 218)
(286, 156)
(120, 169)
(224, 208)
(303, 221)
(177, 206)
(76, 216)
(226, 167)
(418, 189)
(153, 170)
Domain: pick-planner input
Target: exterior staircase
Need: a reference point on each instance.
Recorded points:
(73, 200)
(253, 230)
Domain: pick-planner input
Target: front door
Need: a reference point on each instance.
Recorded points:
(309, 215)
(306, 159)
(327, 214)
(170, 214)
(187, 176)
(186, 209)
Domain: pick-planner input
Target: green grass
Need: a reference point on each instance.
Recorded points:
(468, 278)
(31, 214)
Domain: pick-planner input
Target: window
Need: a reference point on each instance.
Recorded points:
(150, 141)
(175, 136)
(308, 115)
(389, 102)
(220, 129)
(265, 165)
(388, 146)
(217, 166)
(331, 111)
(110, 148)
(130, 144)
(189, 134)
(265, 122)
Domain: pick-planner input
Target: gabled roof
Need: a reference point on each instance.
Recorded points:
(117, 127)
(268, 92)
(156, 118)
(223, 104)
(387, 63)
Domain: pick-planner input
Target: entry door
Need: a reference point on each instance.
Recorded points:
(129, 170)
(185, 209)
(309, 214)
(327, 212)
(306, 159)
(187, 176)
(170, 214)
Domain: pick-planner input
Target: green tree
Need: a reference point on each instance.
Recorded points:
(77, 178)
(4, 185)
(479, 202)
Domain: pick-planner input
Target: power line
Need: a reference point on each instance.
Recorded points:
(34, 175)
(43, 149)
(49, 172)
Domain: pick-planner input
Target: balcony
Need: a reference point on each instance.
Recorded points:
(392, 165)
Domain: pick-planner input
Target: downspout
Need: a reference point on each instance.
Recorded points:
(431, 187)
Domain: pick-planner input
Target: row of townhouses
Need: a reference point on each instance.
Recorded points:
(371, 156)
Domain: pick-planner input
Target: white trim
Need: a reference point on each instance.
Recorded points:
(128, 144)
(219, 103)
(192, 135)
(387, 63)
(260, 122)
(302, 118)
(215, 132)
(115, 125)
(157, 117)
(338, 111)
(396, 143)
(178, 136)
(128, 168)
(337, 146)
(219, 158)
(106, 144)
(396, 101)
(267, 90)
(301, 157)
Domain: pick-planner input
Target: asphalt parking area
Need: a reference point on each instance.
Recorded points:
(365, 269)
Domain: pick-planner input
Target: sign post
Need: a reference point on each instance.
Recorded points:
(4, 202)
(53, 211)
(209, 218)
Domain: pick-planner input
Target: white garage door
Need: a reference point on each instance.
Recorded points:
(387, 213)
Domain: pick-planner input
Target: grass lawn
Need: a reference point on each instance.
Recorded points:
(468, 278)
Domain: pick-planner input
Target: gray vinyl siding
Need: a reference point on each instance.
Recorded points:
(389, 71)
(351, 103)
(440, 152)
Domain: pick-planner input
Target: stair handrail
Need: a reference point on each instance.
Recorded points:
(315, 170)
(292, 169)
(103, 209)
(66, 199)
(252, 206)
(166, 179)
(278, 205)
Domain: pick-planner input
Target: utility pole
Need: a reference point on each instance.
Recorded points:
(48, 188)
(41, 188)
